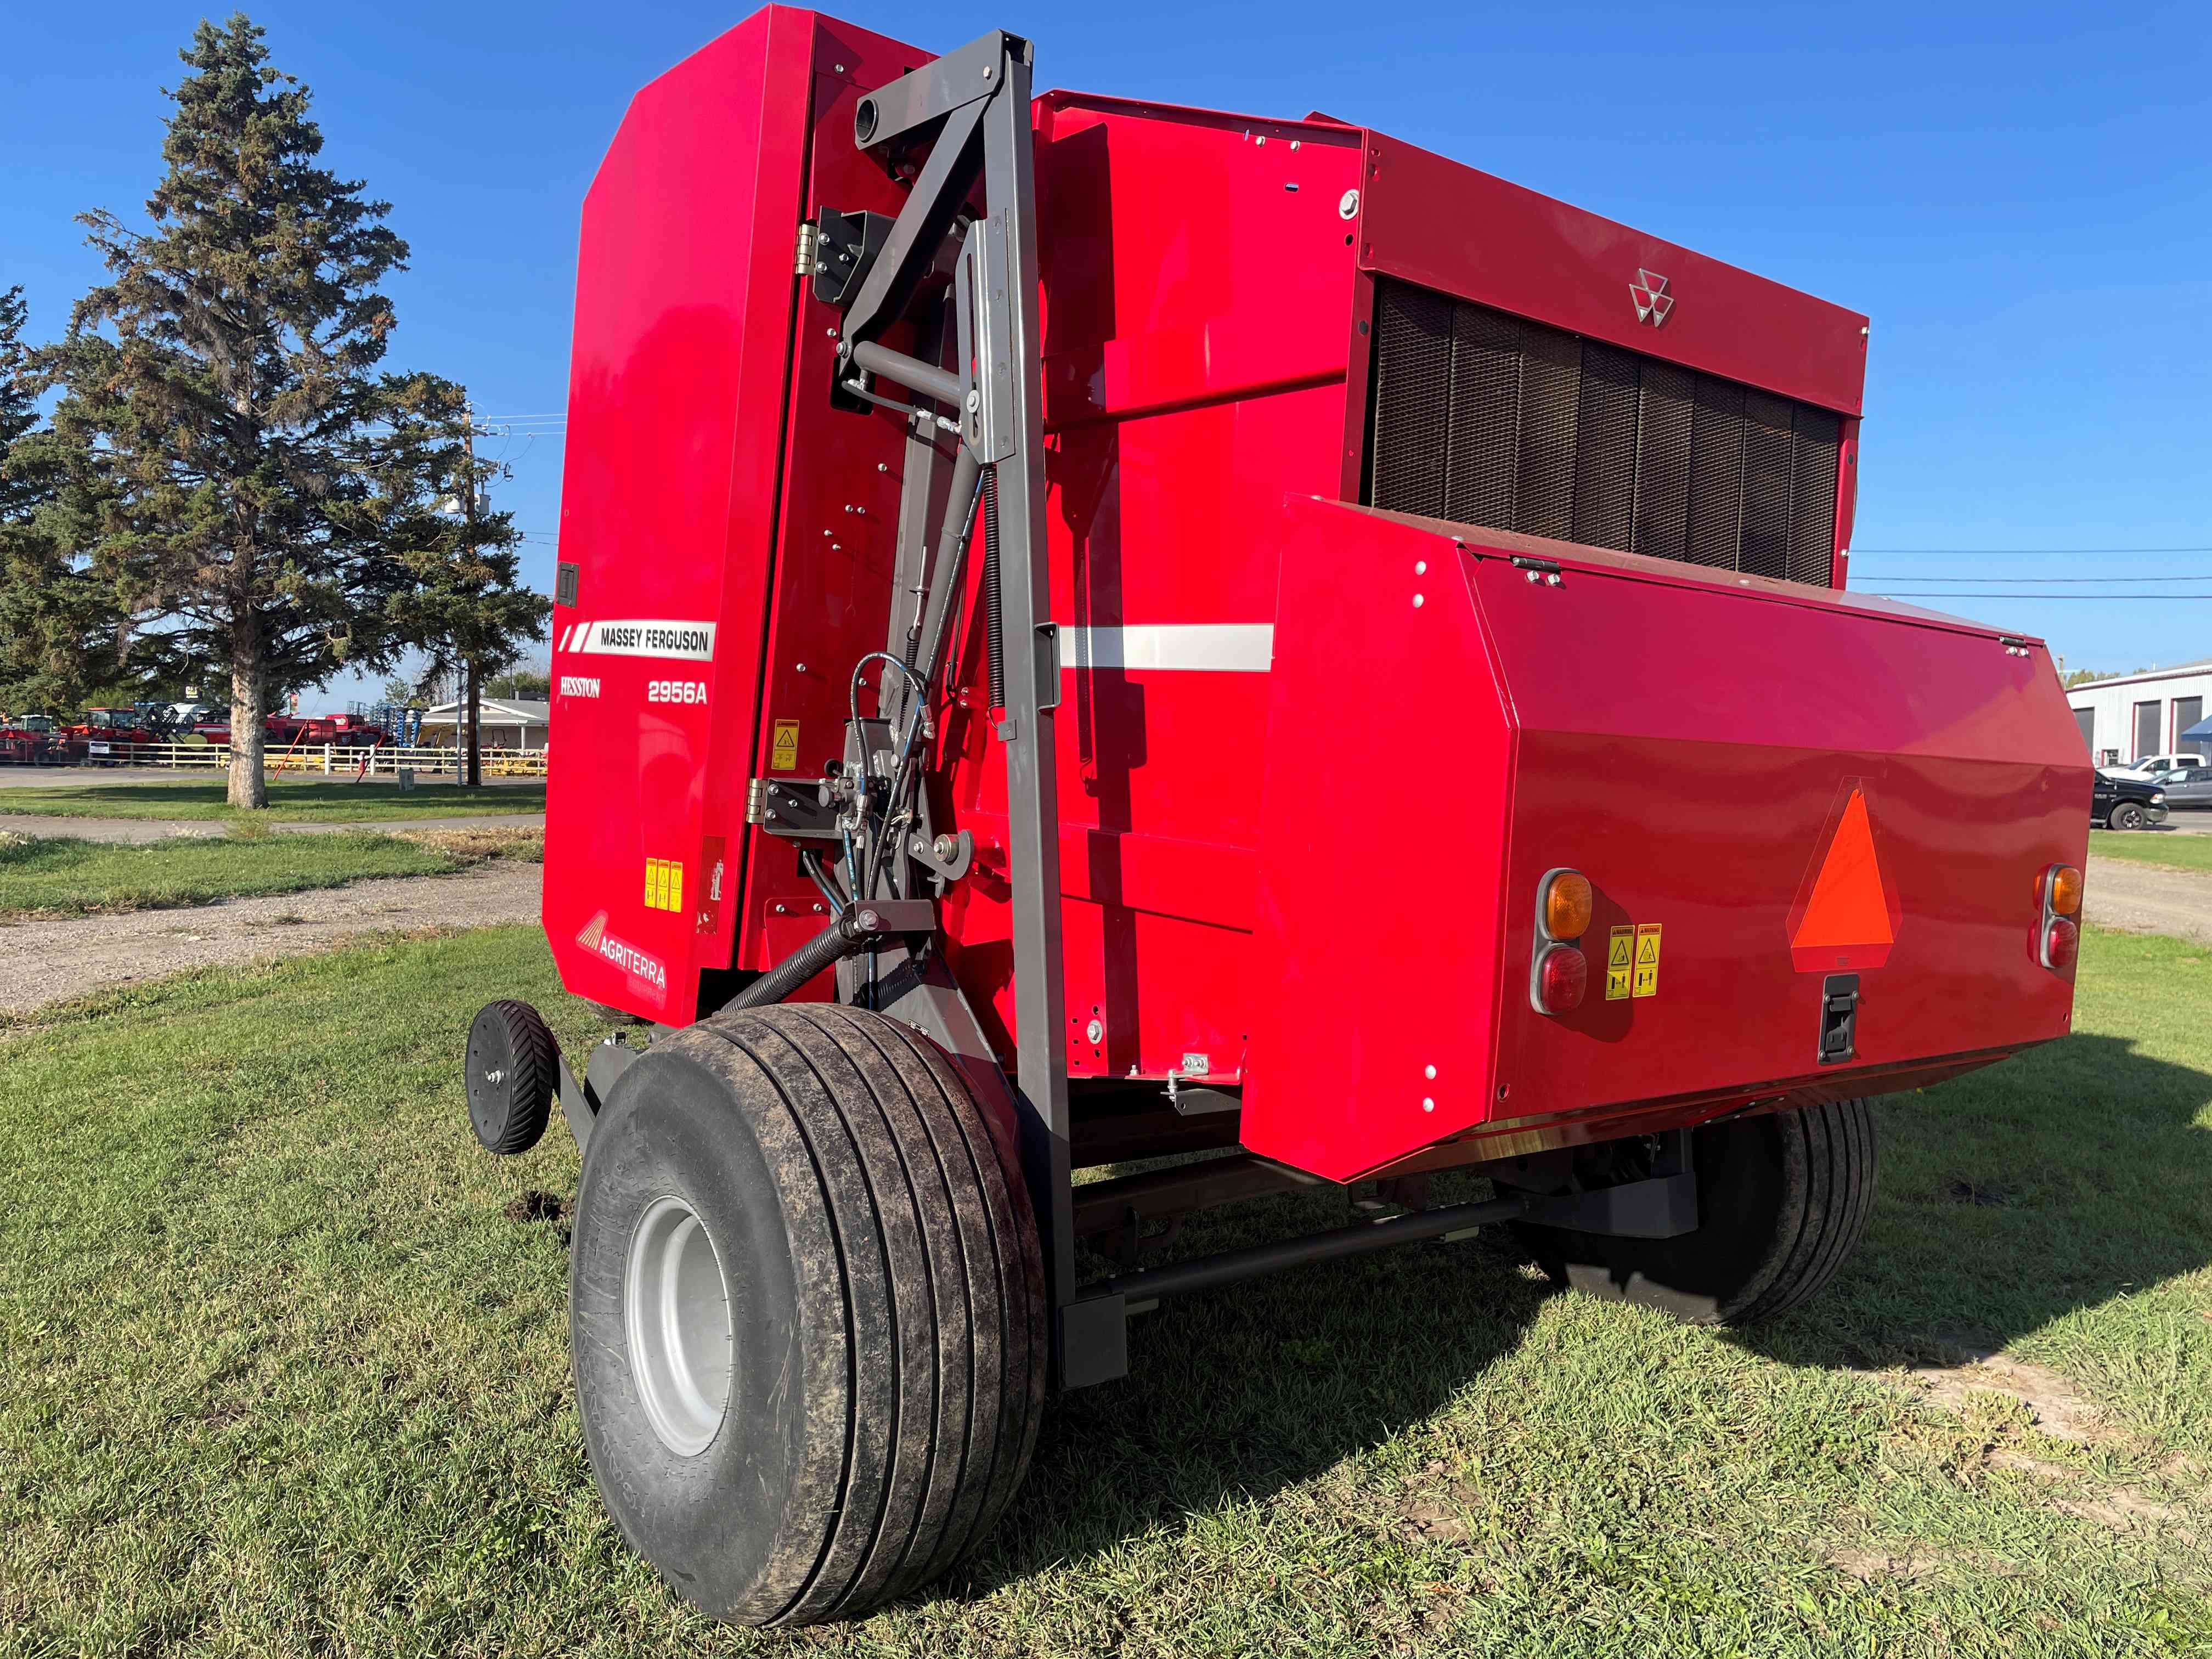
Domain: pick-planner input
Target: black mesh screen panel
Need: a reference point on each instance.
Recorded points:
(1413, 400)
(1487, 419)
(1484, 466)
(1820, 442)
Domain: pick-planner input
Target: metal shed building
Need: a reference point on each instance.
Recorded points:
(2130, 716)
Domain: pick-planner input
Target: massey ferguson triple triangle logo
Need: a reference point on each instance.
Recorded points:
(1653, 302)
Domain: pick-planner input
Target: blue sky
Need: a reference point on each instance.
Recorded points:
(2020, 197)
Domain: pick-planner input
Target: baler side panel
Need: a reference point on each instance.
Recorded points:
(1160, 523)
(1384, 817)
(1692, 751)
(1697, 746)
(1196, 319)
(676, 387)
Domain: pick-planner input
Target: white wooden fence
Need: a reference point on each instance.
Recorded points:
(332, 759)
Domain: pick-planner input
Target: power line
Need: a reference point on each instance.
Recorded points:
(2012, 552)
(2093, 598)
(1900, 576)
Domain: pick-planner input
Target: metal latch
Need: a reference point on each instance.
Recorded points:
(1540, 569)
(1839, 1019)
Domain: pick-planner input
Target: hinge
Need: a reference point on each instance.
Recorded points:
(1537, 563)
(807, 261)
(791, 807)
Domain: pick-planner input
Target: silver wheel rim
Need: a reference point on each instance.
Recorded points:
(676, 1313)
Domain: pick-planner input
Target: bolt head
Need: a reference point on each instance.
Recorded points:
(1347, 205)
(1096, 1031)
(871, 920)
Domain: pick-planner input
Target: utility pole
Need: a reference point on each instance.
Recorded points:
(472, 762)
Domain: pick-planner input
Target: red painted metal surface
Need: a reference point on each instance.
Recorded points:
(1685, 739)
(1304, 861)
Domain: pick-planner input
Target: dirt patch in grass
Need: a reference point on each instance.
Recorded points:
(2055, 1407)
(1870, 1566)
(2122, 1509)
(474, 845)
(536, 1205)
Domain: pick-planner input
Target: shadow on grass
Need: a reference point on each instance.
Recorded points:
(2047, 1184)
(2014, 1197)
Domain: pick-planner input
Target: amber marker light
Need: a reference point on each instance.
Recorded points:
(1564, 911)
(2064, 897)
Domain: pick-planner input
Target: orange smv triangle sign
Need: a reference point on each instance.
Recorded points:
(1846, 920)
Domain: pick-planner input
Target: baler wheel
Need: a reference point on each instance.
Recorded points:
(833, 1401)
(512, 1068)
(1783, 1200)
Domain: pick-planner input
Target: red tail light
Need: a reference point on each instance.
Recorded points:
(1562, 976)
(2062, 942)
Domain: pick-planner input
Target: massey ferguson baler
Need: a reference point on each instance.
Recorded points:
(1088, 630)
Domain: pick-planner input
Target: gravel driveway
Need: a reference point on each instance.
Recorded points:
(2141, 900)
(49, 959)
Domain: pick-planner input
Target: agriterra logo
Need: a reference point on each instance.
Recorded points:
(578, 685)
(595, 937)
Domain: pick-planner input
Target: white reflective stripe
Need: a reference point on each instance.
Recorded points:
(1226, 647)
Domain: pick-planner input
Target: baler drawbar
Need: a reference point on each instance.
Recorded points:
(1089, 633)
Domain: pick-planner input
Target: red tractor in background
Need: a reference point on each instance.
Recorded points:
(113, 737)
(30, 740)
(306, 732)
(1181, 632)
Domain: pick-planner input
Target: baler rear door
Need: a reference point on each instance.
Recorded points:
(1783, 798)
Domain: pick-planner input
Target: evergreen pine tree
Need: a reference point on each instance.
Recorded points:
(464, 604)
(225, 373)
(61, 634)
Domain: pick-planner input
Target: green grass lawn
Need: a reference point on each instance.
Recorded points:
(2173, 850)
(61, 876)
(278, 1375)
(330, 799)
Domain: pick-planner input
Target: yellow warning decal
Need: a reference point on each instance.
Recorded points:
(1620, 960)
(664, 883)
(1647, 958)
(783, 754)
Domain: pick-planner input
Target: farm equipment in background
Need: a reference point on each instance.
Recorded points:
(1087, 630)
(112, 737)
(293, 731)
(402, 722)
(30, 740)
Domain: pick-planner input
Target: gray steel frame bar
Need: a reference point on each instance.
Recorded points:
(978, 98)
(1032, 786)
